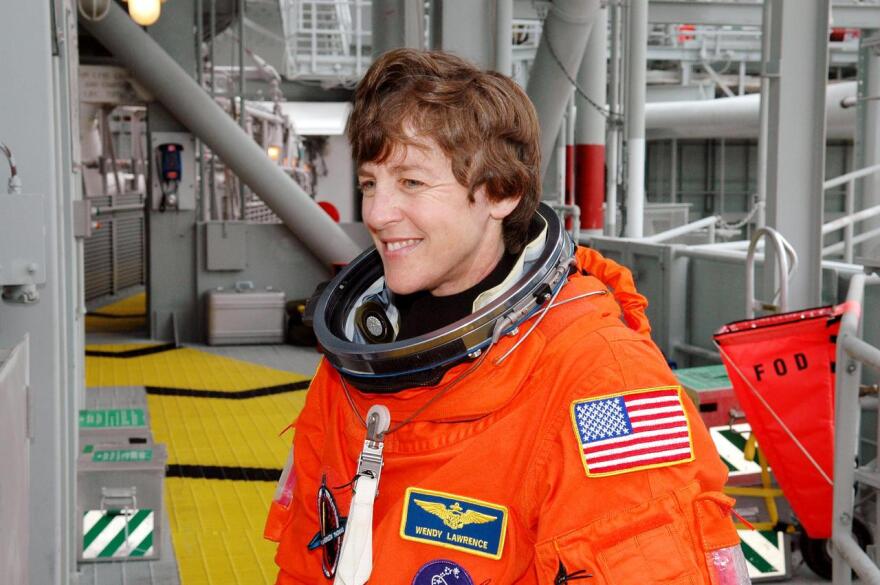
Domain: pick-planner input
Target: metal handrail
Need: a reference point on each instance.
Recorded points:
(863, 237)
(847, 222)
(783, 251)
(842, 222)
(843, 179)
(706, 222)
(851, 352)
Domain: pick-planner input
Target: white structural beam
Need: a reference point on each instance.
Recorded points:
(613, 137)
(763, 125)
(478, 30)
(397, 23)
(868, 134)
(466, 28)
(797, 67)
(504, 37)
(636, 72)
(844, 14)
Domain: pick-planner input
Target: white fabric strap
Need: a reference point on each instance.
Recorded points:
(356, 558)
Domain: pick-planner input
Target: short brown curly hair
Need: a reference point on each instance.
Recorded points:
(482, 120)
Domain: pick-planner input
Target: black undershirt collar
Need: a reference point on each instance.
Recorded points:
(421, 312)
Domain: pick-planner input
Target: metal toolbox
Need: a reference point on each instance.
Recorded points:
(120, 502)
(245, 316)
(115, 416)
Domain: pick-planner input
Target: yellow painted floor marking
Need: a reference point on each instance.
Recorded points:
(217, 527)
(229, 433)
(95, 324)
(133, 306)
(119, 347)
(128, 315)
(184, 368)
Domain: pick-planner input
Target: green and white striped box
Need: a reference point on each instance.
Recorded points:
(120, 499)
(768, 554)
(730, 440)
(118, 534)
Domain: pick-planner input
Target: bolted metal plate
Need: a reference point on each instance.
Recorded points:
(22, 240)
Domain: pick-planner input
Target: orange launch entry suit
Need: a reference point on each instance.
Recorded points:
(504, 445)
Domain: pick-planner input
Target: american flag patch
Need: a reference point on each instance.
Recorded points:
(632, 431)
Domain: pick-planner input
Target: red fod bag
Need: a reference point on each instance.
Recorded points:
(782, 370)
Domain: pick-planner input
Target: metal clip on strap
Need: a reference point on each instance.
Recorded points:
(370, 462)
(356, 557)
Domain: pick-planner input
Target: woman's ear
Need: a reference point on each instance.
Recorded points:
(501, 208)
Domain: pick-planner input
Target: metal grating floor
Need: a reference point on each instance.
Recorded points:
(221, 419)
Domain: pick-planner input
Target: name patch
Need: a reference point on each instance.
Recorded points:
(454, 522)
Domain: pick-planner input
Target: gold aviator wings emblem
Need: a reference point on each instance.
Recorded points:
(454, 516)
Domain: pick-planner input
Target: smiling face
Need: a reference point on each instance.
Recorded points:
(429, 233)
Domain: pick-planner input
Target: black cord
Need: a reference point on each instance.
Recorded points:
(614, 119)
(10, 159)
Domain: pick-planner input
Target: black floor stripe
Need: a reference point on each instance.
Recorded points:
(115, 316)
(218, 472)
(235, 395)
(132, 353)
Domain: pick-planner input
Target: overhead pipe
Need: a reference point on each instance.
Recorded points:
(194, 108)
(559, 54)
(589, 149)
(738, 117)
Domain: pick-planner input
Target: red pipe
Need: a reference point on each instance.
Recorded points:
(590, 161)
(569, 180)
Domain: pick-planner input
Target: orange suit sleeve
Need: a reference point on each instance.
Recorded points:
(297, 565)
(639, 525)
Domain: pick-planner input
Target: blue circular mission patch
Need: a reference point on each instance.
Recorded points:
(442, 572)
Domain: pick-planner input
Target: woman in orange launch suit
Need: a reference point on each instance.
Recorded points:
(490, 408)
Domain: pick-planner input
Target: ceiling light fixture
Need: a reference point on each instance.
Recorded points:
(144, 12)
